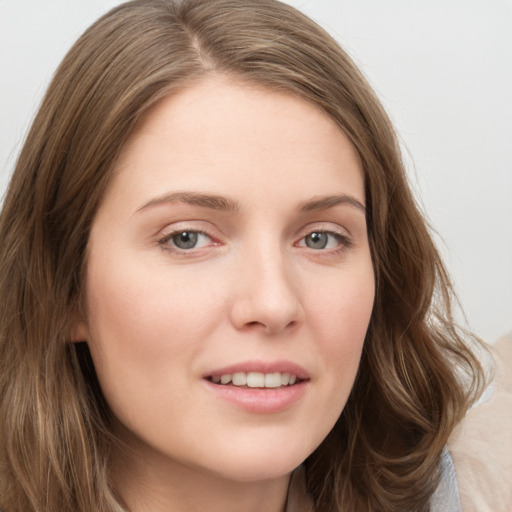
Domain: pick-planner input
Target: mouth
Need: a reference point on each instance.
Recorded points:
(255, 380)
(259, 387)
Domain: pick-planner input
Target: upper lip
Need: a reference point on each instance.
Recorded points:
(262, 367)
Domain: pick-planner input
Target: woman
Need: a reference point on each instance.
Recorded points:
(213, 272)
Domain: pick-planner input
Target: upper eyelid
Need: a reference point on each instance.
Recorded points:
(324, 227)
(169, 234)
(207, 228)
(196, 225)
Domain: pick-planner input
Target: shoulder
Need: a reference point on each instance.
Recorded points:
(481, 445)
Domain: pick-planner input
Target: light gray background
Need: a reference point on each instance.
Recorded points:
(443, 69)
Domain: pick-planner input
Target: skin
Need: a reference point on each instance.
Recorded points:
(160, 318)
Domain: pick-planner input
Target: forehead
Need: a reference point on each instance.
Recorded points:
(219, 134)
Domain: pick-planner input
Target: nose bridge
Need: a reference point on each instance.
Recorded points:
(267, 294)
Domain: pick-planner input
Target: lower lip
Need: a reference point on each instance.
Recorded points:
(259, 400)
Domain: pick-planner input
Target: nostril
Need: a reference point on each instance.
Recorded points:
(255, 325)
(270, 327)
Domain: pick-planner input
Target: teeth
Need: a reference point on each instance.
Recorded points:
(226, 379)
(256, 379)
(272, 380)
(239, 379)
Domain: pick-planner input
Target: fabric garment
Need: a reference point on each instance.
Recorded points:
(446, 498)
(476, 466)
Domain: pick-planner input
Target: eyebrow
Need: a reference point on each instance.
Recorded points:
(204, 200)
(225, 204)
(326, 202)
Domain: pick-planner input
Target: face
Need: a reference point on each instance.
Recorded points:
(229, 281)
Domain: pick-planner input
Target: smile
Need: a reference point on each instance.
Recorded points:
(255, 379)
(258, 386)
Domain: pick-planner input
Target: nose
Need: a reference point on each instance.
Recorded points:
(266, 293)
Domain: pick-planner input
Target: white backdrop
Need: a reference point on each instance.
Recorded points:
(443, 69)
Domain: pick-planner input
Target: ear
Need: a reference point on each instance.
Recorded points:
(79, 329)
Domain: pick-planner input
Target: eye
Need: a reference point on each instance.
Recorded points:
(186, 240)
(317, 240)
(321, 240)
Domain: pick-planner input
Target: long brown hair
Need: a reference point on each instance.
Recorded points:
(384, 451)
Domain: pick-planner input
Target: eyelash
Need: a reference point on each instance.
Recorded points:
(342, 240)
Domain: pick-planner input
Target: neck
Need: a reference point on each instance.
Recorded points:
(157, 484)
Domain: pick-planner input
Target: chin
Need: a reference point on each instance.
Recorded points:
(260, 464)
(246, 473)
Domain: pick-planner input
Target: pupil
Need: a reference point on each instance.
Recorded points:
(185, 240)
(317, 240)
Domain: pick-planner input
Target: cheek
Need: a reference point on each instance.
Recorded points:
(340, 314)
(341, 308)
(145, 330)
(128, 304)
